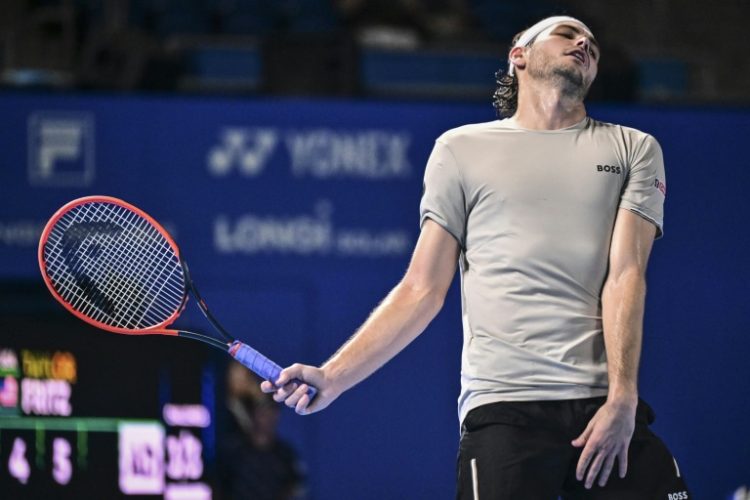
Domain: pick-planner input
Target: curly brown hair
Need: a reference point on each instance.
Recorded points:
(505, 97)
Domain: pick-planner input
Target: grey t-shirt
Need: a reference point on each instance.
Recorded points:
(533, 212)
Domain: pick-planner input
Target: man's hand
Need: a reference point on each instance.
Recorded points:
(606, 438)
(294, 395)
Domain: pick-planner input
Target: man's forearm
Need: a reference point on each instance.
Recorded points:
(398, 320)
(623, 300)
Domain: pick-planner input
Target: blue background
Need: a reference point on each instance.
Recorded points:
(395, 435)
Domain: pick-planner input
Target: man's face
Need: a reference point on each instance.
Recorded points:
(566, 55)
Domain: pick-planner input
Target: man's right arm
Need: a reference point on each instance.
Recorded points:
(400, 318)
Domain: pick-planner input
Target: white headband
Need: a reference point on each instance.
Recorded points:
(530, 34)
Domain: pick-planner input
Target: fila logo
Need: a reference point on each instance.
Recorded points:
(61, 148)
(614, 169)
(680, 495)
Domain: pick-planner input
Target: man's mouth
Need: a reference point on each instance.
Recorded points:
(579, 54)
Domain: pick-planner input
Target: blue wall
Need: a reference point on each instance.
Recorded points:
(297, 217)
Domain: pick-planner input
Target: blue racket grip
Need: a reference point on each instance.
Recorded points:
(261, 365)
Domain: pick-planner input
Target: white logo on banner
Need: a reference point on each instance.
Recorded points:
(61, 148)
(326, 153)
(308, 234)
(246, 149)
(20, 233)
(317, 153)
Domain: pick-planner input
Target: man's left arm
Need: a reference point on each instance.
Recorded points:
(608, 434)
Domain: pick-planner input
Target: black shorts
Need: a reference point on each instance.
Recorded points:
(522, 451)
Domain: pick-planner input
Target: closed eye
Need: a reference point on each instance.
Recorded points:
(567, 34)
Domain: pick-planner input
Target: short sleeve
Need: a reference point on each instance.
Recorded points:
(443, 200)
(646, 186)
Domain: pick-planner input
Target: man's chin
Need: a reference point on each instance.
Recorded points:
(572, 80)
(570, 75)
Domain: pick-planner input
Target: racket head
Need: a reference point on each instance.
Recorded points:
(112, 265)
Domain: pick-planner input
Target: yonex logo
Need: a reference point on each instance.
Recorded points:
(319, 153)
(614, 169)
(246, 148)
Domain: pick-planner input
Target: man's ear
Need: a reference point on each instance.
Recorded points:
(517, 56)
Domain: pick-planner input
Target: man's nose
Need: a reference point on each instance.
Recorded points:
(583, 42)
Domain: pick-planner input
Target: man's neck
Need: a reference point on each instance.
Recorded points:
(541, 107)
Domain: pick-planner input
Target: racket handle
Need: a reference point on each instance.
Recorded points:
(261, 365)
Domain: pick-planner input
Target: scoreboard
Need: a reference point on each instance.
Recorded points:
(88, 414)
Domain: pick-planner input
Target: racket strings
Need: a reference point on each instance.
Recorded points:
(80, 279)
(131, 289)
(128, 291)
(79, 283)
(114, 266)
(140, 284)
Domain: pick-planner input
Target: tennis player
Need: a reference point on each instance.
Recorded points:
(550, 216)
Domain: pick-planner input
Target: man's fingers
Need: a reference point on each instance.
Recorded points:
(609, 462)
(287, 374)
(282, 393)
(596, 465)
(296, 395)
(622, 459)
(292, 385)
(583, 462)
(301, 406)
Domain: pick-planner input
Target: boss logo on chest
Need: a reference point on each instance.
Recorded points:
(612, 169)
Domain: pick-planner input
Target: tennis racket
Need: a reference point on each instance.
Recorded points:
(115, 267)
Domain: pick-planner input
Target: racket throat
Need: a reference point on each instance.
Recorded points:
(202, 305)
(214, 342)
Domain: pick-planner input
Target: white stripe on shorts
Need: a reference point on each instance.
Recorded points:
(474, 479)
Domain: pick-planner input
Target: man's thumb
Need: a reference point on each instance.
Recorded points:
(581, 440)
